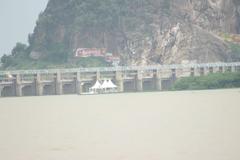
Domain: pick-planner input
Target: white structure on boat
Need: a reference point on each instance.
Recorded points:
(107, 86)
(95, 88)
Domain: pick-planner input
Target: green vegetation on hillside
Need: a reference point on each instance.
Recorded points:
(235, 48)
(19, 55)
(58, 57)
(211, 81)
(30, 64)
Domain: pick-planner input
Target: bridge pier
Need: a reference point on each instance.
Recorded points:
(196, 71)
(192, 72)
(174, 73)
(18, 90)
(139, 81)
(158, 80)
(215, 69)
(98, 75)
(18, 86)
(78, 83)
(202, 71)
(207, 70)
(1, 88)
(211, 70)
(237, 68)
(221, 69)
(228, 69)
(119, 81)
(233, 69)
(59, 87)
(38, 85)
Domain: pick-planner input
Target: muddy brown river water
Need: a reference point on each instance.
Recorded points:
(191, 125)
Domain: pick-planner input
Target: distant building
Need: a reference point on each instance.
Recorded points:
(98, 52)
(88, 52)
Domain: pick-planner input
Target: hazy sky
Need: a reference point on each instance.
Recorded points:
(17, 20)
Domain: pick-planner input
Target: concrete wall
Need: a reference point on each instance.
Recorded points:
(78, 82)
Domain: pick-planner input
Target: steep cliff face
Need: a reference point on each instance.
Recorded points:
(139, 31)
(213, 15)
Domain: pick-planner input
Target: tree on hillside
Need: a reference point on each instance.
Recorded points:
(19, 49)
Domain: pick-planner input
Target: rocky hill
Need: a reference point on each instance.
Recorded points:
(139, 31)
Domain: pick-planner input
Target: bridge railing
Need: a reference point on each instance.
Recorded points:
(120, 68)
(27, 77)
(6, 80)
